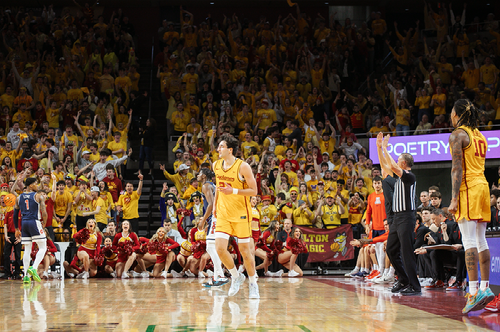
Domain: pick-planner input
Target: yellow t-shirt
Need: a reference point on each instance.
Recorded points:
(327, 146)
(113, 146)
(130, 205)
(123, 82)
(52, 117)
(101, 216)
(191, 82)
(400, 113)
(74, 94)
(488, 73)
(316, 76)
(61, 203)
(438, 110)
(268, 117)
(84, 205)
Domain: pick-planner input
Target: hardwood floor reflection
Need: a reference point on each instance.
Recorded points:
(308, 304)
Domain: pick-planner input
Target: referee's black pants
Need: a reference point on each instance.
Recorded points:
(400, 248)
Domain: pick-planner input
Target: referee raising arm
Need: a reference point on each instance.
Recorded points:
(401, 237)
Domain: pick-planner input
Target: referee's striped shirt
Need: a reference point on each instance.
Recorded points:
(404, 193)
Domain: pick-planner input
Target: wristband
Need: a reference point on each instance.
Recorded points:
(235, 191)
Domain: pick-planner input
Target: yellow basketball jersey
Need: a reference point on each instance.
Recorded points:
(232, 208)
(474, 159)
(331, 216)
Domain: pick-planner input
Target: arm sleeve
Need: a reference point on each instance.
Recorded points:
(368, 212)
(51, 246)
(98, 244)
(172, 243)
(264, 238)
(180, 229)
(137, 244)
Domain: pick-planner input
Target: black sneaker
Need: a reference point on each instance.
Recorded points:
(409, 290)
(319, 271)
(398, 286)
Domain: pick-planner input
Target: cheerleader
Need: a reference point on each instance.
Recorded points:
(74, 268)
(126, 242)
(197, 262)
(89, 249)
(144, 259)
(164, 255)
(266, 248)
(48, 260)
(110, 255)
(255, 223)
(295, 245)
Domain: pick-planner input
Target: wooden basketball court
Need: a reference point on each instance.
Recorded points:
(306, 304)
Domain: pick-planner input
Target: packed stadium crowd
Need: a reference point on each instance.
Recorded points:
(297, 93)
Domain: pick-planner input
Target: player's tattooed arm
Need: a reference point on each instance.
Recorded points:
(458, 139)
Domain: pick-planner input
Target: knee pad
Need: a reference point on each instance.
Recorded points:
(482, 245)
(469, 243)
(468, 230)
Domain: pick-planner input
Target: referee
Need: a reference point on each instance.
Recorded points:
(401, 238)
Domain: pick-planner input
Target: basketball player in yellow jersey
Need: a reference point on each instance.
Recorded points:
(470, 199)
(232, 208)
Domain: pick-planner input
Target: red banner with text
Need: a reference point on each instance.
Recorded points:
(326, 245)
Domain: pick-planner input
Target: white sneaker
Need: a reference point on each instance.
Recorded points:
(389, 279)
(379, 279)
(125, 275)
(45, 275)
(71, 275)
(80, 275)
(176, 274)
(279, 273)
(113, 274)
(254, 291)
(241, 268)
(426, 282)
(164, 274)
(55, 275)
(351, 273)
(145, 274)
(269, 274)
(85, 275)
(189, 274)
(292, 273)
(235, 284)
(210, 273)
(134, 274)
(201, 275)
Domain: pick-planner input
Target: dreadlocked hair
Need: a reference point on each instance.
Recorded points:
(468, 114)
